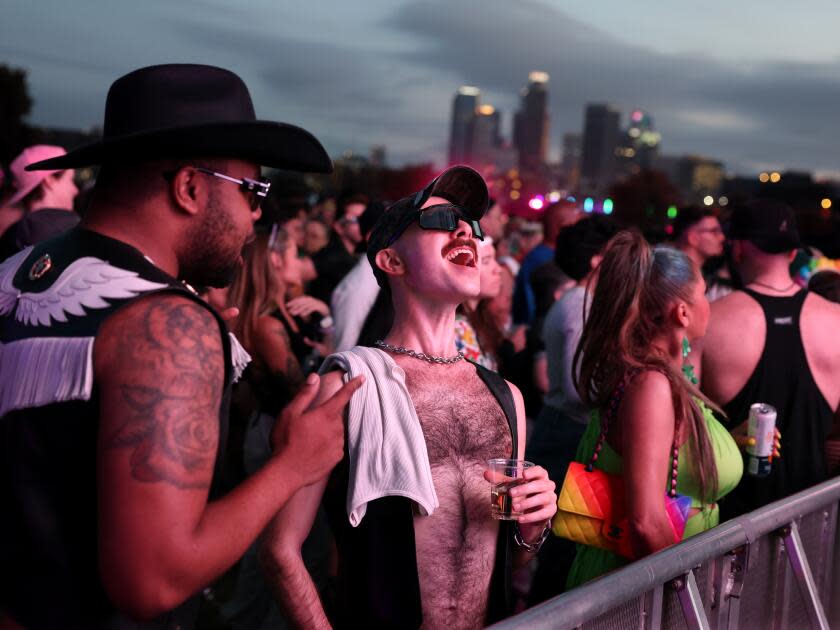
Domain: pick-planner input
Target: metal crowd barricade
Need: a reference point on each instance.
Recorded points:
(777, 567)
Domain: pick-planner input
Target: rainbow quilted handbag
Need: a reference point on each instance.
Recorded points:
(591, 508)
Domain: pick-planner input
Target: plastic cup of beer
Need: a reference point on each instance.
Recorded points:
(506, 474)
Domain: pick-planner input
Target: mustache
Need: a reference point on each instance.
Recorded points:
(461, 242)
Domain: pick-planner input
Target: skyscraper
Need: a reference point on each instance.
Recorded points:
(531, 123)
(485, 135)
(600, 140)
(642, 139)
(571, 159)
(463, 116)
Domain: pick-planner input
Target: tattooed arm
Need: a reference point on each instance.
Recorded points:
(159, 367)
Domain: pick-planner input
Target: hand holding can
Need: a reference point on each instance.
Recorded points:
(762, 439)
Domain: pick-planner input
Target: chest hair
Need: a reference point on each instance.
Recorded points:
(462, 422)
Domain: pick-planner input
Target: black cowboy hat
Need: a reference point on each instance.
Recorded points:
(185, 110)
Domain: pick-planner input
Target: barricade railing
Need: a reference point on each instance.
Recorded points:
(775, 568)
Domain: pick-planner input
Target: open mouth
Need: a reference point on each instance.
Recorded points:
(461, 255)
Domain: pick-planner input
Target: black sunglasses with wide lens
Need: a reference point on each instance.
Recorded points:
(445, 216)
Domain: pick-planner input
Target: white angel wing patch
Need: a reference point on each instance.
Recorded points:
(8, 270)
(86, 283)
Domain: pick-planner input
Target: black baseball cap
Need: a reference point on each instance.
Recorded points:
(768, 224)
(577, 243)
(459, 185)
(370, 216)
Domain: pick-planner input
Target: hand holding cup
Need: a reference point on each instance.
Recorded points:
(520, 491)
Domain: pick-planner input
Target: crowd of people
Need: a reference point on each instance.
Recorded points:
(225, 410)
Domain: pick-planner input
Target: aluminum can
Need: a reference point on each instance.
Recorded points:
(762, 427)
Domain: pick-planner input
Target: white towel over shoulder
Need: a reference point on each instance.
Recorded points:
(385, 441)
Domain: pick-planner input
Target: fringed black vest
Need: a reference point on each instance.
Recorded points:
(53, 299)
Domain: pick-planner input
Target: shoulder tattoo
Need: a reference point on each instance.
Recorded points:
(169, 385)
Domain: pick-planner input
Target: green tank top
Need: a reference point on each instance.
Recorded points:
(591, 562)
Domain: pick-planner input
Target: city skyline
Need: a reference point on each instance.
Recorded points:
(753, 86)
(603, 155)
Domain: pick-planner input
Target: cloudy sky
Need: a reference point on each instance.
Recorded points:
(755, 83)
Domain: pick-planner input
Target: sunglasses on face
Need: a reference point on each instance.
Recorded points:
(445, 216)
(255, 190)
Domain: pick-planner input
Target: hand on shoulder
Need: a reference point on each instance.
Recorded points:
(310, 430)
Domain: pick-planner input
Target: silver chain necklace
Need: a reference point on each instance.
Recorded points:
(418, 355)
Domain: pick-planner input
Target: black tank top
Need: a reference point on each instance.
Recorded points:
(783, 379)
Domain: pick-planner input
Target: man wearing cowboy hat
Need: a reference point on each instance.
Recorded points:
(115, 377)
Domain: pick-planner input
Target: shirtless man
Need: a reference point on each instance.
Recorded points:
(406, 563)
(775, 343)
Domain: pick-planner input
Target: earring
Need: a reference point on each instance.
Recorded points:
(688, 369)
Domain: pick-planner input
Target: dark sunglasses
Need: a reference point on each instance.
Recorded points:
(255, 190)
(445, 216)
